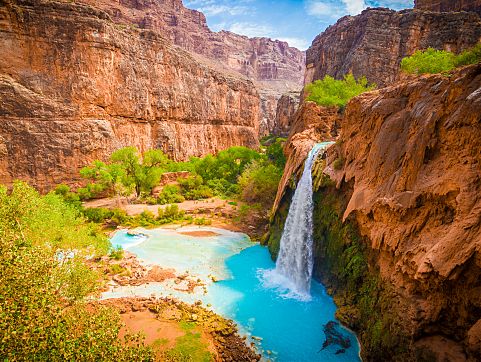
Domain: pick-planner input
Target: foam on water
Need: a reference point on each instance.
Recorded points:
(291, 329)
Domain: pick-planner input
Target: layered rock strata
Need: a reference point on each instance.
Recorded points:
(273, 65)
(398, 232)
(449, 5)
(74, 86)
(373, 43)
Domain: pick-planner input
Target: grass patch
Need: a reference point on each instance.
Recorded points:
(189, 347)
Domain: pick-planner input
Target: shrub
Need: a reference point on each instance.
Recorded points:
(117, 253)
(98, 214)
(338, 164)
(429, 61)
(333, 92)
(43, 284)
(170, 194)
(259, 183)
(469, 56)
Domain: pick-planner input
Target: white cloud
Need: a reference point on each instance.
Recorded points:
(354, 7)
(322, 9)
(216, 9)
(298, 43)
(251, 30)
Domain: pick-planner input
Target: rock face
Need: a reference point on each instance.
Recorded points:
(449, 5)
(286, 108)
(273, 65)
(413, 155)
(74, 86)
(373, 43)
(408, 165)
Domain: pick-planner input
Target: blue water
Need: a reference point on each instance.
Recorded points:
(291, 329)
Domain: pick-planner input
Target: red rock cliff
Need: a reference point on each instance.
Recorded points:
(408, 162)
(74, 86)
(373, 43)
(449, 5)
(273, 65)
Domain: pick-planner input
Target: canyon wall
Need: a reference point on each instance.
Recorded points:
(273, 65)
(74, 86)
(449, 5)
(373, 43)
(398, 217)
(287, 106)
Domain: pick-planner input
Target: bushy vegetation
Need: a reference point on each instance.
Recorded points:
(333, 92)
(234, 172)
(259, 183)
(431, 61)
(44, 281)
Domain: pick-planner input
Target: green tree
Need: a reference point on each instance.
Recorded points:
(44, 281)
(333, 92)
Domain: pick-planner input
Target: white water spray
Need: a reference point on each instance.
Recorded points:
(295, 259)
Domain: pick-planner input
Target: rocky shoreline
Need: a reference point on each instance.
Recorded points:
(228, 344)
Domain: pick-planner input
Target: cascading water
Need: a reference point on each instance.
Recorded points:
(295, 260)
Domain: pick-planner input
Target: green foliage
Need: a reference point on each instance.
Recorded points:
(194, 189)
(333, 92)
(258, 183)
(227, 165)
(189, 347)
(117, 253)
(429, 61)
(43, 281)
(338, 164)
(469, 56)
(98, 214)
(170, 194)
(275, 153)
(67, 195)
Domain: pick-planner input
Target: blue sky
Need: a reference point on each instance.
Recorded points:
(295, 21)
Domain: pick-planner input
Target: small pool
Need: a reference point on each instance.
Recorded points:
(284, 328)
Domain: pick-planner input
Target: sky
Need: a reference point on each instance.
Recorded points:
(295, 21)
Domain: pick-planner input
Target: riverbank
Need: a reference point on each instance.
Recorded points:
(224, 214)
(171, 327)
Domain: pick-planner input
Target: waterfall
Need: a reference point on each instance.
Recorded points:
(295, 260)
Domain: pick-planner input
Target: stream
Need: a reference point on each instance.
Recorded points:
(284, 327)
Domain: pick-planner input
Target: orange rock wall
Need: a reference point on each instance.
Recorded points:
(74, 86)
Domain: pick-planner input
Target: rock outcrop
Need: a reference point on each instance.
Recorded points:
(273, 65)
(74, 86)
(373, 43)
(449, 5)
(398, 227)
(286, 108)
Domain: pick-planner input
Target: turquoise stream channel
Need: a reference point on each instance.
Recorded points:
(282, 327)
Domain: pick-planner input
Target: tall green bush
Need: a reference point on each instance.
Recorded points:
(333, 92)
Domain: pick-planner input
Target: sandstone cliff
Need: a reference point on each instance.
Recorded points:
(398, 233)
(74, 86)
(449, 5)
(412, 153)
(273, 65)
(373, 43)
(287, 106)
